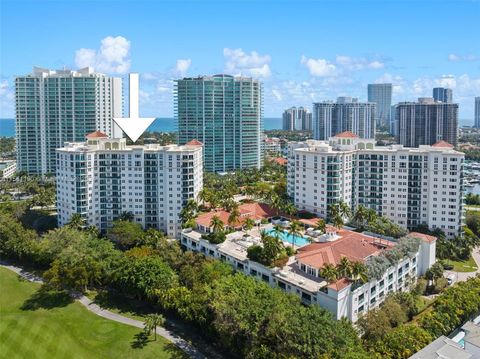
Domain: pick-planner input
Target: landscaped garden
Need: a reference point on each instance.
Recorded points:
(48, 324)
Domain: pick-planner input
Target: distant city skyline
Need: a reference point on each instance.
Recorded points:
(324, 60)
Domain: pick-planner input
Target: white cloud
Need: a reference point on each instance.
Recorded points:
(351, 63)
(112, 57)
(239, 62)
(182, 66)
(319, 67)
(455, 57)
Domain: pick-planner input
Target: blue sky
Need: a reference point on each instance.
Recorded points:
(303, 51)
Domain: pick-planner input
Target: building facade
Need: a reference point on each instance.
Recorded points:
(7, 168)
(381, 95)
(410, 186)
(477, 112)
(301, 276)
(442, 94)
(297, 119)
(426, 122)
(102, 178)
(225, 113)
(54, 107)
(347, 114)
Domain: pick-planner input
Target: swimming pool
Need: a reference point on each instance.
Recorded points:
(287, 237)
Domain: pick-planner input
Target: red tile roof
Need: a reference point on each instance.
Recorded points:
(281, 161)
(96, 134)
(346, 134)
(442, 144)
(340, 284)
(256, 211)
(355, 246)
(194, 143)
(422, 236)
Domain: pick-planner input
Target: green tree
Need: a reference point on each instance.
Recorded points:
(435, 272)
(151, 322)
(248, 224)
(217, 224)
(125, 233)
(294, 231)
(126, 216)
(320, 225)
(76, 221)
(329, 273)
(359, 272)
(344, 268)
(234, 216)
(403, 342)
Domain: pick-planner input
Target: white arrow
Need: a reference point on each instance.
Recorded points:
(134, 125)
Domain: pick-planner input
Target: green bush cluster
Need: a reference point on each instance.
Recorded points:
(243, 316)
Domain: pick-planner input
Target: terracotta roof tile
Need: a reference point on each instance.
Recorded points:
(256, 211)
(346, 134)
(355, 246)
(423, 236)
(96, 134)
(194, 143)
(281, 161)
(442, 144)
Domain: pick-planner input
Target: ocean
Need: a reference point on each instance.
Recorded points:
(7, 125)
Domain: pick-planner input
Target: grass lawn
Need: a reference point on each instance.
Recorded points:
(463, 266)
(39, 324)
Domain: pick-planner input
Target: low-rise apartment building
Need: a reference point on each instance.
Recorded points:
(102, 178)
(7, 168)
(410, 186)
(346, 297)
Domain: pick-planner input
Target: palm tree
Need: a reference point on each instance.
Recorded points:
(217, 224)
(277, 230)
(344, 209)
(152, 321)
(289, 208)
(337, 221)
(76, 221)
(249, 224)
(345, 267)
(371, 216)
(360, 215)
(333, 210)
(320, 226)
(294, 231)
(188, 211)
(329, 273)
(126, 216)
(93, 231)
(234, 216)
(359, 272)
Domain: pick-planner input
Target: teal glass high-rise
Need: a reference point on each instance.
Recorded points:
(225, 113)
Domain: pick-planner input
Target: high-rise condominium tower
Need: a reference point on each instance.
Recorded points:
(426, 122)
(477, 112)
(442, 94)
(381, 94)
(53, 107)
(410, 186)
(101, 178)
(347, 114)
(225, 113)
(297, 119)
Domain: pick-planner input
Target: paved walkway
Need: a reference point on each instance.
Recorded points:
(94, 308)
(463, 276)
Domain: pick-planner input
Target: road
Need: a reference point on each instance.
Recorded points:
(94, 308)
(463, 276)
